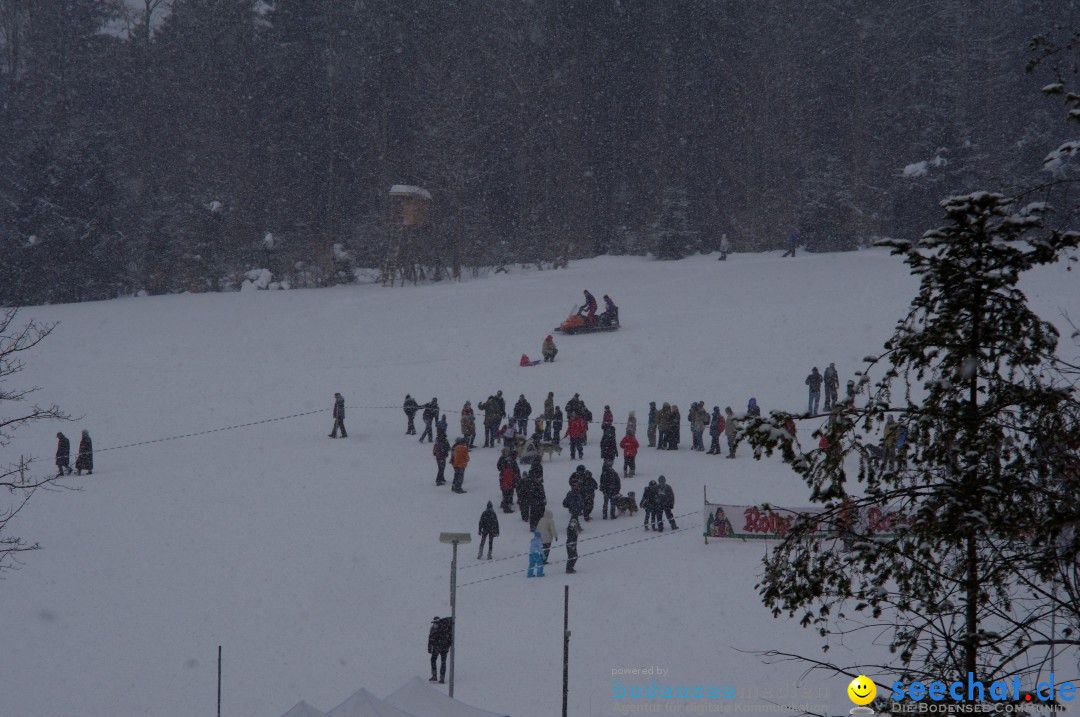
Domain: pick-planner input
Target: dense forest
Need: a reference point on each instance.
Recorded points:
(154, 146)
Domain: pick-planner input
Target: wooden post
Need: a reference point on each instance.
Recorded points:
(219, 681)
(453, 614)
(705, 495)
(565, 647)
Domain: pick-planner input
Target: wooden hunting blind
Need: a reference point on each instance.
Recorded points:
(408, 233)
(409, 206)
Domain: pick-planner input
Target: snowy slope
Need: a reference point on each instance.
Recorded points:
(316, 563)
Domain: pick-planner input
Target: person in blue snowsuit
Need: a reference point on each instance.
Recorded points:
(536, 556)
(752, 409)
(792, 243)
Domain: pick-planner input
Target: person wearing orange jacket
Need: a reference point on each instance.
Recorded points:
(629, 446)
(459, 458)
(576, 432)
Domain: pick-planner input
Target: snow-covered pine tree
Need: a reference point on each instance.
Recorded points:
(671, 233)
(955, 584)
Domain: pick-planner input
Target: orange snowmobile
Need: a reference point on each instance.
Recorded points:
(576, 324)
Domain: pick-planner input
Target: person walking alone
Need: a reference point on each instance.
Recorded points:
(572, 532)
(792, 243)
(339, 416)
(489, 529)
(439, 640)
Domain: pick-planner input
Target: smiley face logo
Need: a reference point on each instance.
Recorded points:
(862, 690)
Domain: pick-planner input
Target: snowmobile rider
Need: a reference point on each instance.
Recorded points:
(610, 316)
(590, 307)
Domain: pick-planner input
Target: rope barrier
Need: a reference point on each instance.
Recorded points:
(484, 564)
(291, 416)
(487, 563)
(665, 534)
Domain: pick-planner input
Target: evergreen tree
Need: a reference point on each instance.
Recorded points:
(957, 584)
(671, 233)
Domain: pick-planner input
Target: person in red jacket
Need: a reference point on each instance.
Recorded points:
(576, 431)
(629, 446)
(509, 472)
(459, 458)
(608, 418)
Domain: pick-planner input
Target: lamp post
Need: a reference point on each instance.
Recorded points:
(454, 539)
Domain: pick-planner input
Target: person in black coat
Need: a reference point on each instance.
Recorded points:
(573, 502)
(572, 531)
(339, 416)
(610, 486)
(651, 431)
(665, 501)
(556, 426)
(489, 528)
(522, 411)
(575, 405)
(491, 421)
(537, 494)
(500, 406)
(431, 412)
(589, 487)
(583, 479)
(63, 455)
(674, 428)
(438, 644)
(85, 461)
(410, 407)
(524, 488)
(441, 451)
(648, 504)
(609, 448)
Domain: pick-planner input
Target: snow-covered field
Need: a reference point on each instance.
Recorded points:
(316, 563)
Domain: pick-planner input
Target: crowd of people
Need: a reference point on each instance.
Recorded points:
(524, 436)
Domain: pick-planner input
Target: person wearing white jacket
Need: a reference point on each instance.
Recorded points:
(548, 535)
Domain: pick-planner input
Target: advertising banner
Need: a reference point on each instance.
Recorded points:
(772, 522)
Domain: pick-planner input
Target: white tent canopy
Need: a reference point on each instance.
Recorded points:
(303, 709)
(421, 700)
(365, 704)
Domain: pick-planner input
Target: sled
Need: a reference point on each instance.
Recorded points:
(575, 323)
